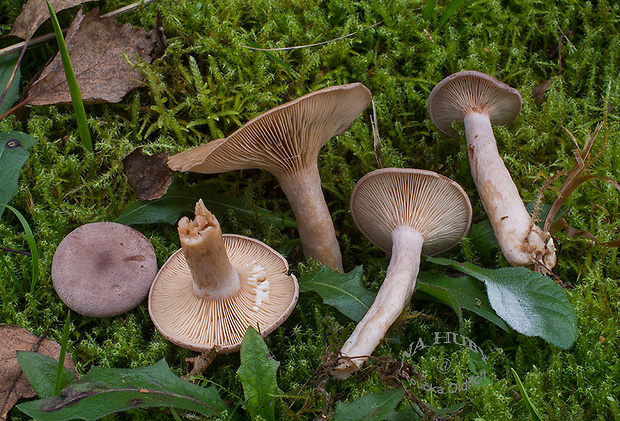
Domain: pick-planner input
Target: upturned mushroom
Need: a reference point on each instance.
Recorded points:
(405, 212)
(103, 269)
(479, 100)
(209, 291)
(286, 141)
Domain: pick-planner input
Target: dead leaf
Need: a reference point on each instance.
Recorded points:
(35, 12)
(13, 383)
(198, 365)
(538, 92)
(148, 175)
(96, 47)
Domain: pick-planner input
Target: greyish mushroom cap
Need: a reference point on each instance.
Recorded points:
(431, 203)
(284, 138)
(103, 269)
(467, 91)
(266, 298)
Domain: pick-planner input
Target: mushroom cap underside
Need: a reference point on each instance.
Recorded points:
(103, 269)
(431, 203)
(282, 139)
(467, 91)
(266, 298)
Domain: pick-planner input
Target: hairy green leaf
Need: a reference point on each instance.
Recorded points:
(528, 301)
(107, 390)
(258, 376)
(371, 407)
(41, 372)
(179, 199)
(344, 291)
(14, 152)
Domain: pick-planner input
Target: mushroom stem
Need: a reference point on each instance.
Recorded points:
(314, 222)
(520, 239)
(392, 298)
(205, 253)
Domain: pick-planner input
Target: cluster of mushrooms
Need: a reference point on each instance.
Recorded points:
(209, 291)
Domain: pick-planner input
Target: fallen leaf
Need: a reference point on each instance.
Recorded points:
(538, 92)
(13, 383)
(198, 365)
(96, 47)
(148, 175)
(35, 12)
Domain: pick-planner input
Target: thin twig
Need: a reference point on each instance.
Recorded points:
(25, 253)
(127, 8)
(311, 45)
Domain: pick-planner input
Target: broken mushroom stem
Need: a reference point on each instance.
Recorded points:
(393, 297)
(522, 242)
(213, 274)
(315, 226)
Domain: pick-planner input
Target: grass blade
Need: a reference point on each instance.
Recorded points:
(17, 284)
(533, 411)
(450, 10)
(74, 89)
(429, 9)
(34, 252)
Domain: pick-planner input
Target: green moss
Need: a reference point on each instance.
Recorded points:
(209, 83)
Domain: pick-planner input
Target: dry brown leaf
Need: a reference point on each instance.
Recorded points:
(13, 383)
(198, 365)
(148, 175)
(96, 46)
(35, 12)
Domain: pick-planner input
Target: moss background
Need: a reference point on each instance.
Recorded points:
(208, 84)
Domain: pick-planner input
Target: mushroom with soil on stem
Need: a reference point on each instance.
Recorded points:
(103, 269)
(479, 100)
(286, 141)
(209, 291)
(405, 212)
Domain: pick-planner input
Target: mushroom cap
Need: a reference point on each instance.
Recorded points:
(431, 203)
(282, 139)
(103, 269)
(266, 298)
(467, 91)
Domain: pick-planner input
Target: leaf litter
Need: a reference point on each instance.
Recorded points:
(13, 383)
(97, 47)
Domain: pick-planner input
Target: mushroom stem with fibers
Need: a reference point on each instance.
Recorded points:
(520, 239)
(316, 228)
(393, 296)
(203, 245)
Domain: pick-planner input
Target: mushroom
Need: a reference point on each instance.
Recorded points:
(209, 291)
(286, 141)
(103, 269)
(406, 212)
(480, 100)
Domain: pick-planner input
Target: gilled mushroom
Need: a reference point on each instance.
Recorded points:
(209, 291)
(103, 269)
(406, 212)
(286, 141)
(480, 100)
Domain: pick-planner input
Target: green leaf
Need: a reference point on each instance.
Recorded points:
(74, 89)
(344, 291)
(107, 390)
(7, 64)
(14, 152)
(465, 290)
(41, 371)
(58, 383)
(371, 407)
(258, 376)
(179, 199)
(528, 301)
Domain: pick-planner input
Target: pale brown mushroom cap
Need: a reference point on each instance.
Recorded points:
(266, 298)
(103, 269)
(284, 138)
(431, 203)
(468, 91)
